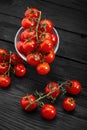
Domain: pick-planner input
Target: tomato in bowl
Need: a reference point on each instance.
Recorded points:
(18, 35)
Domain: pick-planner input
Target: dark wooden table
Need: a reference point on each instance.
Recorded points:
(70, 20)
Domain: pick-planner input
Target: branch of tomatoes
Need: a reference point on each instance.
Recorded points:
(10, 62)
(37, 41)
(52, 91)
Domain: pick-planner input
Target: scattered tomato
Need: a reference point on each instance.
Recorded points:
(74, 87)
(69, 104)
(43, 68)
(48, 111)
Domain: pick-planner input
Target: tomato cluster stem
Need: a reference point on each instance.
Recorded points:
(47, 95)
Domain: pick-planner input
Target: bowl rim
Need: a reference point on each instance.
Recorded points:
(20, 30)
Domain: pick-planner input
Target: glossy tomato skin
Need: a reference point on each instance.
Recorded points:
(27, 23)
(74, 88)
(48, 111)
(27, 100)
(49, 57)
(45, 35)
(46, 45)
(54, 38)
(16, 59)
(20, 70)
(69, 104)
(28, 34)
(33, 59)
(32, 13)
(4, 55)
(29, 46)
(46, 25)
(52, 86)
(5, 81)
(3, 68)
(19, 46)
(43, 68)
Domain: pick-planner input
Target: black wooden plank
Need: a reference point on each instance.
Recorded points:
(78, 5)
(65, 18)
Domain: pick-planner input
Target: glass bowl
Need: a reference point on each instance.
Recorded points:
(17, 38)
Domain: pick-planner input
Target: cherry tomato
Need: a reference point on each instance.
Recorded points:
(27, 23)
(46, 25)
(46, 45)
(48, 111)
(16, 59)
(32, 13)
(19, 46)
(54, 38)
(5, 81)
(29, 46)
(4, 55)
(43, 68)
(69, 104)
(20, 70)
(49, 57)
(74, 87)
(28, 34)
(33, 59)
(27, 104)
(52, 86)
(43, 36)
(3, 68)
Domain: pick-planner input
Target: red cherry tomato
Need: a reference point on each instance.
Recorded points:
(5, 81)
(74, 87)
(54, 38)
(32, 13)
(27, 23)
(19, 46)
(43, 36)
(4, 55)
(16, 59)
(28, 34)
(48, 112)
(43, 68)
(69, 104)
(20, 70)
(3, 68)
(46, 25)
(52, 86)
(49, 57)
(29, 46)
(46, 45)
(33, 59)
(27, 104)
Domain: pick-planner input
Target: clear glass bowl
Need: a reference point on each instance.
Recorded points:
(17, 38)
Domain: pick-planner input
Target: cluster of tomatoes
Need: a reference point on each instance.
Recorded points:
(10, 62)
(37, 40)
(52, 90)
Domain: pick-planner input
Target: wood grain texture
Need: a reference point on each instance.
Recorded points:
(70, 18)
